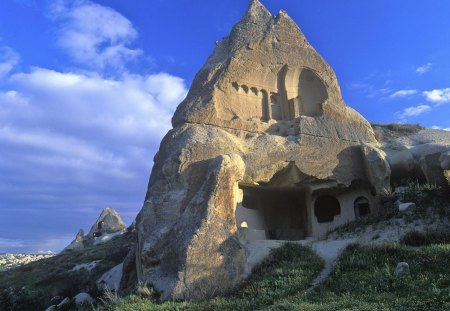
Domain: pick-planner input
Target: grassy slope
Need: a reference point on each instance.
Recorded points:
(51, 277)
(363, 279)
(286, 272)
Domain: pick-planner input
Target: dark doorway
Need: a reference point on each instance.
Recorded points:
(362, 207)
(282, 210)
(326, 208)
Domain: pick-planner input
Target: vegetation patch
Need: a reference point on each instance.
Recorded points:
(286, 272)
(423, 238)
(32, 286)
(385, 132)
(365, 279)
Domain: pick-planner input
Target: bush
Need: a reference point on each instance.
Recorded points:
(419, 238)
(426, 196)
(20, 299)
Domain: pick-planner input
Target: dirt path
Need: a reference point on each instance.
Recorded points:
(329, 251)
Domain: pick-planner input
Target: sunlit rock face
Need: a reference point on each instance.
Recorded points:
(263, 148)
(108, 225)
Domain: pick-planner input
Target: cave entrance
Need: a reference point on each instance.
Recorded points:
(276, 213)
(326, 208)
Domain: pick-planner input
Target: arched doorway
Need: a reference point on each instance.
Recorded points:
(326, 208)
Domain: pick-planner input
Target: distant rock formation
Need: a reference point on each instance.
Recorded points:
(416, 154)
(263, 148)
(108, 224)
(78, 242)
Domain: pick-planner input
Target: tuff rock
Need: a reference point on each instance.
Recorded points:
(107, 225)
(416, 153)
(108, 222)
(263, 143)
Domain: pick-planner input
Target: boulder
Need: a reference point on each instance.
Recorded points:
(405, 206)
(57, 299)
(432, 170)
(263, 141)
(111, 279)
(52, 308)
(83, 298)
(402, 268)
(64, 302)
(377, 168)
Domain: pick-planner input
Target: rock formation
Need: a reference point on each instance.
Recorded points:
(108, 223)
(78, 242)
(416, 154)
(262, 148)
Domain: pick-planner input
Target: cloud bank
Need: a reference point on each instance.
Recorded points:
(95, 35)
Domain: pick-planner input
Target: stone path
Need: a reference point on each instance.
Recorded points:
(329, 251)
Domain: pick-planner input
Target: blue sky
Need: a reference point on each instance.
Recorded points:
(87, 90)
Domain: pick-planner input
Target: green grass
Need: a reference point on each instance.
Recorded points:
(287, 272)
(429, 237)
(363, 279)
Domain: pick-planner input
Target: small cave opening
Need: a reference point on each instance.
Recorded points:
(274, 213)
(362, 207)
(326, 207)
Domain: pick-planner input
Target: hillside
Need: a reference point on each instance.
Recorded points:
(361, 258)
(8, 261)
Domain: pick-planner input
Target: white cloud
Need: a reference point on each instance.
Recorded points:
(438, 96)
(8, 60)
(402, 93)
(436, 127)
(89, 120)
(412, 112)
(424, 68)
(95, 35)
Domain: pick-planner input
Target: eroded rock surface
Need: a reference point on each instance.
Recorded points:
(108, 222)
(263, 147)
(108, 225)
(416, 153)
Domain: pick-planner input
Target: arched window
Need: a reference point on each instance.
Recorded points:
(362, 207)
(312, 92)
(326, 208)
